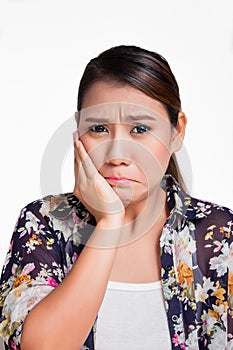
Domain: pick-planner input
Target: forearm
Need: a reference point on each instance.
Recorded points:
(66, 315)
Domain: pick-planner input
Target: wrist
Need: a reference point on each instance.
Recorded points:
(111, 222)
(107, 233)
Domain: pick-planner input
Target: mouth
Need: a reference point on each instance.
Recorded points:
(119, 180)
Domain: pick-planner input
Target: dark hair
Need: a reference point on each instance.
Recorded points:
(141, 69)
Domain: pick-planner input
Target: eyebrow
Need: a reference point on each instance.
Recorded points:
(129, 117)
(140, 117)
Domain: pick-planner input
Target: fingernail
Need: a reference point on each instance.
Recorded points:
(75, 135)
(77, 142)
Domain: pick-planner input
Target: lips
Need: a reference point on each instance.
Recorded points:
(119, 179)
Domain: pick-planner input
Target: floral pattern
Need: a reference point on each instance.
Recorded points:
(196, 266)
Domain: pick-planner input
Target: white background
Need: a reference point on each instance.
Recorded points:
(45, 46)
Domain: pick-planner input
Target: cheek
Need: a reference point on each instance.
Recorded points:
(96, 150)
(87, 143)
(162, 155)
(149, 160)
(153, 160)
(160, 147)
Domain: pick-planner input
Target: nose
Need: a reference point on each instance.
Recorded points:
(118, 152)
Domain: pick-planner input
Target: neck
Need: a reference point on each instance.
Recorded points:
(145, 215)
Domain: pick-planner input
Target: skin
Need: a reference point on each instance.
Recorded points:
(116, 148)
(65, 316)
(138, 150)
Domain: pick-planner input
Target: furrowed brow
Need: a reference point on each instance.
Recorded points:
(97, 120)
(128, 118)
(139, 117)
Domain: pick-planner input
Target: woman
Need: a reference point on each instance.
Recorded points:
(128, 259)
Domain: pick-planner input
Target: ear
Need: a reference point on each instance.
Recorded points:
(178, 133)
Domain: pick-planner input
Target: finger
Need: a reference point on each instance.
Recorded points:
(76, 141)
(75, 135)
(77, 158)
(85, 161)
(78, 175)
(77, 162)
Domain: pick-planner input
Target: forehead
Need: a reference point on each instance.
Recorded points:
(118, 112)
(118, 102)
(101, 93)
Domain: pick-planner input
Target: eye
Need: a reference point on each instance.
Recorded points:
(97, 129)
(140, 129)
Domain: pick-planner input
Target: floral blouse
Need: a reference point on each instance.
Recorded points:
(196, 266)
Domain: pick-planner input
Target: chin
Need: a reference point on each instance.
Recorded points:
(130, 197)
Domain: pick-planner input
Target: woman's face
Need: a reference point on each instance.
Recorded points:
(129, 138)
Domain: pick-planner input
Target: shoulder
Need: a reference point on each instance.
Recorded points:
(45, 215)
(54, 206)
(213, 222)
(49, 203)
(212, 231)
(194, 209)
(61, 214)
(207, 210)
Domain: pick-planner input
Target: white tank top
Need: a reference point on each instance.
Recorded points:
(133, 317)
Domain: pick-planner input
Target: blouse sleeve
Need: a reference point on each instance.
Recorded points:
(230, 288)
(31, 270)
